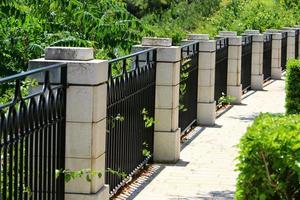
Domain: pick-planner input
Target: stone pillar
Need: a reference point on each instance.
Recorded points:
(167, 131)
(257, 77)
(291, 42)
(206, 104)
(234, 86)
(276, 56)
(85, 118)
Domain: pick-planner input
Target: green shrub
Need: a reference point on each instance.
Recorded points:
(269, 159)
(293, 87)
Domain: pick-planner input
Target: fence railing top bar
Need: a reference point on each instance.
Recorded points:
(31, 72)
(189, 44)
(132, 55)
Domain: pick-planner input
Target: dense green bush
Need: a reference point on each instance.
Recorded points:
(239, 15)
(269, 159)
(292, 101)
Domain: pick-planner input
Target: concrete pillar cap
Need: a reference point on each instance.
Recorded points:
(155, 41)
(69, 53)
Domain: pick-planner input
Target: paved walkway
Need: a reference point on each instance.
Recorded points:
(206, 168)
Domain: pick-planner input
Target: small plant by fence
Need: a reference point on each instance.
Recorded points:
(267, 59)
(130, 112)
(221, 68)
(32, 135)
(284, 50)
(246, 62)
(188, 85)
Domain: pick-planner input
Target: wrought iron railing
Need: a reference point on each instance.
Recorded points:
(284, 50)
(188, 85)
(32, 134)
(267, 56)
(297, 44)
(130, 115)
(221, 68)
(246, 62)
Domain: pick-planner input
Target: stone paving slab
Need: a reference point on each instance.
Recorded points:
(206, 168)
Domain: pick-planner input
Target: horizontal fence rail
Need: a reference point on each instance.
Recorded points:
(267, 57)
(284, 50)
(188, 85)
(297, 44)
(246, 62)
(130, 115)
(32, 134)
(221, 68)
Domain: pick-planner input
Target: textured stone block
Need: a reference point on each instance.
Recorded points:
(166, 119)
(235, 41)
(257, 82)
(206, 113)
(69, 53)
(153, 41)
(207, 46)
(80, 185)
(198, 36)
(235, 52)
(167, 97)
(207, 60)
(90, 103)
(169, 54)
(227, 33)
(85, 140)
(251, 32)
(102, 194)
(206, 94)
(167, 146)
(236, 92)
(167, 73)
(90, 72)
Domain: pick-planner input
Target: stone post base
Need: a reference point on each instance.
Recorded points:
(206, 113)
(167, 146)
(102, 194)
(257, 82)
(236, 92)
(276, 73)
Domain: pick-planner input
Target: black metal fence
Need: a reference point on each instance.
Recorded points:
(130, 115)
(284, 50)
(246, 62)
(221, 68)
(188, 85)
(267, 56)
(297, 44)
(32, 135)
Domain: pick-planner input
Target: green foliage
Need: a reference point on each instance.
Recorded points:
(181, 18)
(225, 100)
(146, 153)
(148, 121)
(28, 26)
(238, 15)
(69, 175)
(269, 159)
(292, 100)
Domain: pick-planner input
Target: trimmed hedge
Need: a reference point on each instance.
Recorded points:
(269, 159)
(292, 104)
